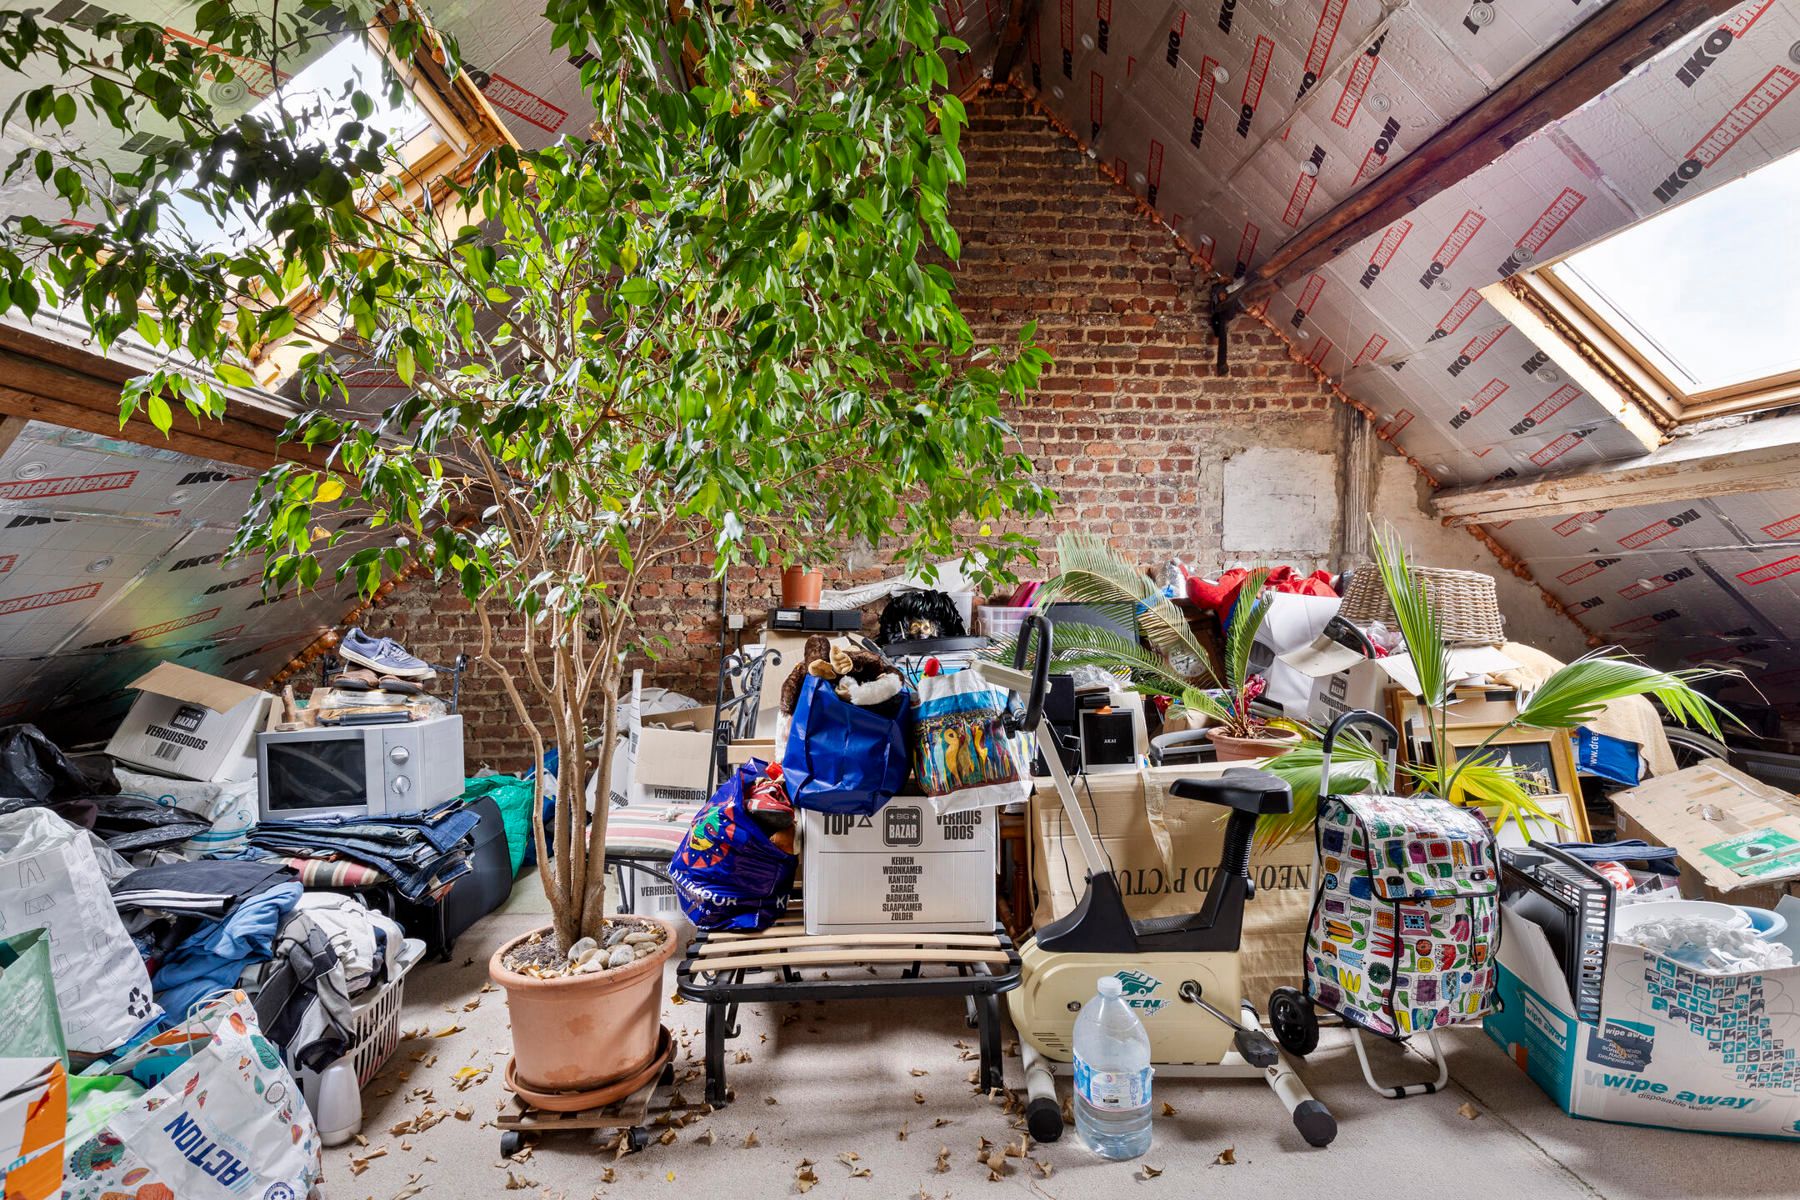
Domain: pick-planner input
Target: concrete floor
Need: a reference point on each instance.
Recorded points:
(843, 1082)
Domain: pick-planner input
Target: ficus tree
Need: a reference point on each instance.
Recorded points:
(713, 326)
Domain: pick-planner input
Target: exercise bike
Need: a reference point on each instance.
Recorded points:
(1180, 973)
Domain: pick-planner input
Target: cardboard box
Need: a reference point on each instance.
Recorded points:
(1343, 680)
(1672, 1048)
(899, 870)
(1739, 838)
(671, 756)
(192, 726)
(1164, 852)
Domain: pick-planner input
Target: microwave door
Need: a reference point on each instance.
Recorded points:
(317, 775)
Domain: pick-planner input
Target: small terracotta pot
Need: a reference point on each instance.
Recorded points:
(801, 587)
(1240, 749)
(577, 1032)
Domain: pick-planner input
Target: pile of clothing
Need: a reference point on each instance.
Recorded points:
(421, 855)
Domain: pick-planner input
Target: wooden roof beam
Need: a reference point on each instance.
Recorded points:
(1594, 56)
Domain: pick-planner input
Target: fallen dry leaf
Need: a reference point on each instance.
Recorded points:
(446, 1031)
(918, 1071)
(1149, 1172)
(918, 1097)
(940, 1122)
(516, 1184)
(1168, 1110)
(743, 1056)
(608, 1175)
(750, 1142)
(472, 1005)
(769, 1100)
(1226, 1157)
(467, 1077)
(463, 1112)
(943, 1160)
(1468, 1111)
(413, 1188)
(805, 1178)
(706, 1138)
(900, 1135)
(1044, 1169)
(360, 1139)
(359, 1165)
(667, 1138)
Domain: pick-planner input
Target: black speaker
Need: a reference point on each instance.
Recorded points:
(1108, 738)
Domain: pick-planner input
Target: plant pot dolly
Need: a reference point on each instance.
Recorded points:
(1179, 972)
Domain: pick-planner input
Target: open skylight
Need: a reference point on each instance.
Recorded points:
(317, 91)
(1704, 292)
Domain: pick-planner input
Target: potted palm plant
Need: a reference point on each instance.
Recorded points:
(1238, 732)
(708, 334)
(1479, 777)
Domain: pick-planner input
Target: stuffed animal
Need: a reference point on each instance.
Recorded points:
(847, 669)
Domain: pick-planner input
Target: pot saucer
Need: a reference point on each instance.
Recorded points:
(605, 1094)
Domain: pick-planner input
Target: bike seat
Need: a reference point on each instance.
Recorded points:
(1242, 788)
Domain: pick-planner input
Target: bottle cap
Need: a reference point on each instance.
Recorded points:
(1110, 987)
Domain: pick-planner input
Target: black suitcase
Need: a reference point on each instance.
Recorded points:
(470, 898)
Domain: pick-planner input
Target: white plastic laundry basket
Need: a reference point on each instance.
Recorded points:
(335, 1094)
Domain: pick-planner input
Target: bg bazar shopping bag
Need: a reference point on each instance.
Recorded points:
(841, 757)
(49, 878)
(963, 757)
(727, 873)
(227, 1123)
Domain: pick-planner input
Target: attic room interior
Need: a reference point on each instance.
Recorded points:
(1016, 567)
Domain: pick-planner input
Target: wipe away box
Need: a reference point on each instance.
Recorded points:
(901, 869)
(1673, 1047)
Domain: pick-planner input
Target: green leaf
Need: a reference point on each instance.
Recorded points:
(637, 291)
(233, 375)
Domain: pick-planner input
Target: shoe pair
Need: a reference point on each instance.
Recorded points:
(365, 680)
(384, 657)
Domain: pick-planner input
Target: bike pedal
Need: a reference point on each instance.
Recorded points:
(1256, 1048)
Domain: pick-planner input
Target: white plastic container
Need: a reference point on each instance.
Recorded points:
(335, 1094)
(998, 621)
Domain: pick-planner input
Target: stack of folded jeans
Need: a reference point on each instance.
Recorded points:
(420, 854)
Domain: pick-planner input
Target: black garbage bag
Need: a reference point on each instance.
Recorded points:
(32, 767)
(920, 616)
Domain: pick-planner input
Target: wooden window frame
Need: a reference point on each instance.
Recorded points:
(1592, 332)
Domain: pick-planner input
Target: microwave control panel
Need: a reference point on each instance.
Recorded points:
(397, 763)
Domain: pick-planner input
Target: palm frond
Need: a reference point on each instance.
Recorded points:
(1205, 703)
(1300, 769)
(1073, 645)
(1578, 692)
(1095, 574)
(1483, 781)
(1246, 620)
(1417, 619)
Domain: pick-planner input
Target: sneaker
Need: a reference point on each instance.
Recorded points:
(384, 656)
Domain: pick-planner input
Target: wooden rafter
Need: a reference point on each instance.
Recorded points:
(1019, 17)
(1593, 57)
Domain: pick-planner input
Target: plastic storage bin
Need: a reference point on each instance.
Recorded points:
(335, 1094)
(998, 621)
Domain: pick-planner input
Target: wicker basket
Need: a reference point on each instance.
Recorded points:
(1466, 603)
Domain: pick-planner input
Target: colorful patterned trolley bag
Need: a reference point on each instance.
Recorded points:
(1407, 911)
(1406, 915)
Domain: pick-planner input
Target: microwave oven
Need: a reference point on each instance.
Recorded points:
(359, 770)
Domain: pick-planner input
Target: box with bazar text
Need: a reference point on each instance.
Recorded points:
(1673, 1047)
(900, 869)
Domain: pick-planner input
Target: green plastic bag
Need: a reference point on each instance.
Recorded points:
(513, 796)
(33, 1024)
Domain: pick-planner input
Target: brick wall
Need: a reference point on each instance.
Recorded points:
(1130, 424)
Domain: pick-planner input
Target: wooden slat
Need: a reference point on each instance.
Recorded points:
(750, 959)
(1594, 56)
(1019, 16)
(766, 942)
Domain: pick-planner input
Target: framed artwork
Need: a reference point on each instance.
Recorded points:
(1485, 706)
(1537, 829)
(1545, 762)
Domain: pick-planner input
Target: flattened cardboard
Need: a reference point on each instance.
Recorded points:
(195, 687)
(1732, 831)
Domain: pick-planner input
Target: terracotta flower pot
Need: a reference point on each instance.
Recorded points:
(1241, 749)
(582, 1031)
(801, 587)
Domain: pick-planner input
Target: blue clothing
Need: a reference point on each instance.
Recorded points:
(213, 956)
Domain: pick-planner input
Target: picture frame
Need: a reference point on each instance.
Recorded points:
(1547, 756)
(1476, 706)
(1558, 807)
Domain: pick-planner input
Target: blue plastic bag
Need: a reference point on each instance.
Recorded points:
(843, 758)
(727, 873)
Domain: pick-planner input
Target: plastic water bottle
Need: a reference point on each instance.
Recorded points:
(1112, 1075)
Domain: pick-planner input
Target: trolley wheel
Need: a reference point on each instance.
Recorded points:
(1295, 1023)
(511, 1141)
(636, 1138)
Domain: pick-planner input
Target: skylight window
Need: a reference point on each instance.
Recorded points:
(1693, 310)
(316, 91)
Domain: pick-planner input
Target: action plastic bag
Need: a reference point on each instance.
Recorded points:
(963, 757)
(50, 879)
(227, 1123)
(727, 873)
(841, 757)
